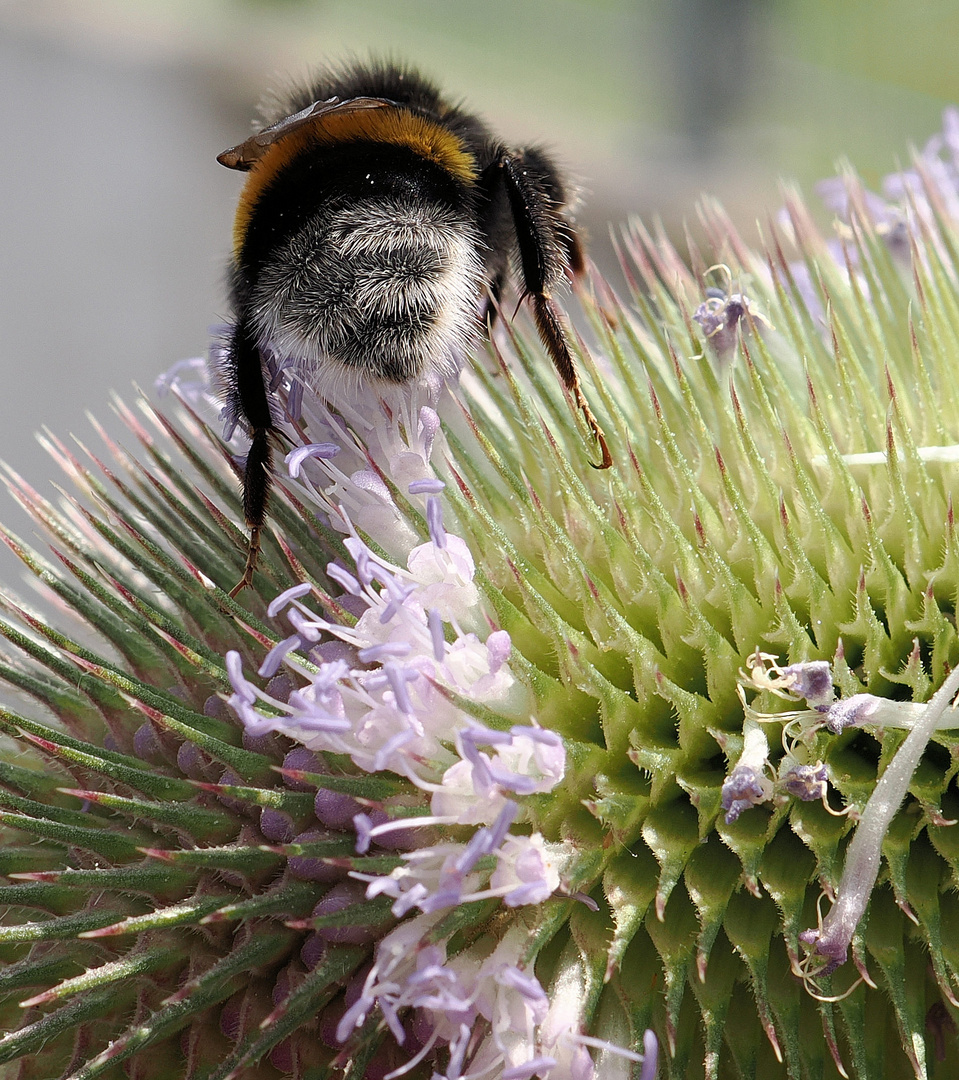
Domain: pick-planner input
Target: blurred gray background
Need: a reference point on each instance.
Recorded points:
(115, 218)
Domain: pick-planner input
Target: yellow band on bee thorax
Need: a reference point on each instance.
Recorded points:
(394, 126)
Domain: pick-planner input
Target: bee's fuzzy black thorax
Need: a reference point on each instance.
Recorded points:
(377, 228)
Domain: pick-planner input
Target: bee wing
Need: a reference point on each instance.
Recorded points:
(245, 155)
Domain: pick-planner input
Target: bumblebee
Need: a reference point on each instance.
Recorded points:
(376, 231)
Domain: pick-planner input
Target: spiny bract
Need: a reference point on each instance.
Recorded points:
(212, 874)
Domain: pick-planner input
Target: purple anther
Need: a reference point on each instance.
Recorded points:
(398, 596)
(398, 677)
(537, 1066)
(295, 458)
(429, 485)
(234, 669)
(364, 565)
(275, 657)
(650, 1055)
(537, 734)
(304, 626)
(375, 654)
(386, 751)
(500, 826)
(344, 579)
(278, 603)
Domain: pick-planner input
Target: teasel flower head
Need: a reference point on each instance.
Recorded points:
(507, 767)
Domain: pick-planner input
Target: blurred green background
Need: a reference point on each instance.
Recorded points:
(115, 219)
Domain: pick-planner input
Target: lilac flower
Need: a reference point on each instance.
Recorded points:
(806, 782)
(394, 709)
(747, 785)
(724, 316)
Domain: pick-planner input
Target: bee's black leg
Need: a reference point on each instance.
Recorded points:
(549, 249)
(252, 404)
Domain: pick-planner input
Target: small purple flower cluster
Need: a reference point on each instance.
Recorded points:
(910, 198)
(387, 690)
(381, 692)
(904, 216)
(754, 779)
(749, 785)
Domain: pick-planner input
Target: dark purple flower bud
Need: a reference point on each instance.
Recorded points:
(286, 979)
(329, 1021)
(398, 839)
(421, 1027)
(269, 744)
(383, 1062)
(335, 810)
(217, 708)
(330, 651)
(345, 896)
(231, 1017)
(280, 687)
(312, 867)
(355, 605)
(283, 1056)
(354, 988)
(194, 763)
(238, 806)
(302, 760)
(313, 951)
(148, 745)
(276, 826)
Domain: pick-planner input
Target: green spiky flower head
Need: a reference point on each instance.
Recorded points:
(508, 767)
